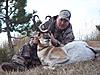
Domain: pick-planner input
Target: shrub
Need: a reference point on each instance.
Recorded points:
(3, 55)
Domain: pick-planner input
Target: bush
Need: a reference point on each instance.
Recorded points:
(3, 55)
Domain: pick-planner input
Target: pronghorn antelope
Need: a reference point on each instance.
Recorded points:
(72, 52)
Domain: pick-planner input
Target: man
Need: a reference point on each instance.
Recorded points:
(60, 28)
(27, 57)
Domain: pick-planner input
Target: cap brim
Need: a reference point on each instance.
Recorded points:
(62, 17)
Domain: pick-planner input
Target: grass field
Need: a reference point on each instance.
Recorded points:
(82, 68)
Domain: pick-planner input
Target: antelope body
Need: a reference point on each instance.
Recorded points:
(72, 52)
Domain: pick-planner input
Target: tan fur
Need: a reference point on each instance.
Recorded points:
(54, 51)
(57, 52)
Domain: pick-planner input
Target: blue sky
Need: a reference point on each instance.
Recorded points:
(85, 13)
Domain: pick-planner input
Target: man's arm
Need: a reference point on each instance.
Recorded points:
(69, 38)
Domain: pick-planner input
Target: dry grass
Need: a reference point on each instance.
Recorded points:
(19, 43)
(81, 68)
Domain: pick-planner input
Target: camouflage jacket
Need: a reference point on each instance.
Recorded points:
(27, 56)
(63, 36)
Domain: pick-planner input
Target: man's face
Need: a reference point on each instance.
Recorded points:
(62, 23)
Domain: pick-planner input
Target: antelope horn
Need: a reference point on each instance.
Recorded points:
(36, 23)
(34, 18)
(48, 17)
(41, 25)
(43, 31)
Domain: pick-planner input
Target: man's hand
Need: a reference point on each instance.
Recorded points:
(54, 41)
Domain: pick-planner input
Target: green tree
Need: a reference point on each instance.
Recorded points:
(14, 16)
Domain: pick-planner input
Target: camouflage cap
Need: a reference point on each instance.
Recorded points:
(65, 14)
